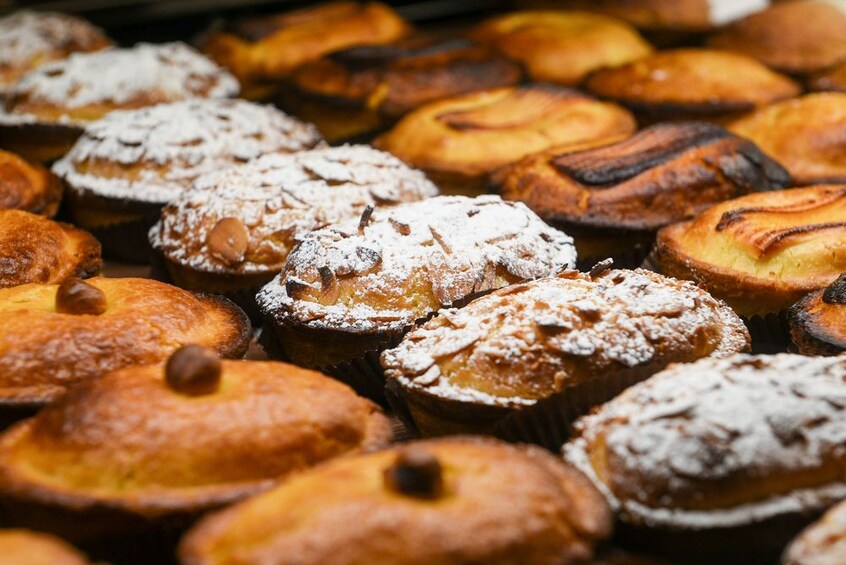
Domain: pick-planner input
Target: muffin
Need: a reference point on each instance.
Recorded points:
(761, 253)
(34, 249)
(48, 108)
(822, 543)
(28, 186)
(451, 501)
(57, 336)
(523, 362)
(352, 289)
(722, 460)
(128, 165)
(25, 547)
(773, 37)
(805, 134)
(263, 51)
(31, 39)
(614, 198)
(684, 84)
(232, 233)
(562, 47)
(185, 437)
(818, 321)
(459, 141)
(357, 91)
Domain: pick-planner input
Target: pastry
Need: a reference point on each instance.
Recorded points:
(818, 321)
(821, 543)
(28, 186)
(24, 547)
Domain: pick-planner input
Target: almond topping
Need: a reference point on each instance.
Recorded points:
(76, 296)
(415, 472)
(228, 240)
(193, 370)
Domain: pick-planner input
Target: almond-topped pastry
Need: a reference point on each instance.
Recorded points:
(28, 186)
(773, 37)
(354, 288)
(818, 321)
(691, 84)
(613, 199)
(525, 361)
(34, 249)
(30, 39)
(722, 459)
(263, 51)
(128, 165)
(366, 88)
(805, 134)
(452, 501)
(821, 543)
(48, 108)
(25, 547)
(184, 437)
(56, 336)
(233, 231)
(459, 141)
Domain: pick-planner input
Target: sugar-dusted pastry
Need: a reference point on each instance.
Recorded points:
(26, 547)
(818, 321)
(821, 543)
(28, 186)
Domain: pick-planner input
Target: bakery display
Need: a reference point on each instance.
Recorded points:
(821, 543)
(127, 166)
(26, 547)
(612, 199)
(723, 460)
(523, 362)
(459, 141)
(562, 47)
(28, 186)
(263, 51)
(458, 500)
(818, 321)
(691, 84)
(358, 91)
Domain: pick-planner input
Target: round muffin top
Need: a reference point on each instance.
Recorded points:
(688, 16)
(562, 47)
(30, 39)
(55, 336)
(818, 321)
(27, 186)
(720, 442)
(272, 202)
(154, 154)
(192, 434)
(449, 501)
(86, 86)
(34, 249)
(397, 265)
(761, 252)
(532, 340)
(663, 174)
(822, 543)
(26, 547)
(804, 134)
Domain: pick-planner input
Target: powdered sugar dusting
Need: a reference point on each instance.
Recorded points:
(411, 258)
(167, 146)
(612, 323)
(715, 422)
(279, 198)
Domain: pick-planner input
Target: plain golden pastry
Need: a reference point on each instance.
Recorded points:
(524, 361)
(263, 51)
(25, 547)
(799, 37)
(59, 335)
(459, 141)
(818, 321)
(807, 135)
(722, 460)
(821, 543)
(612, 199)
(363, 89)
(34, 249)
(30, 39)
(28, 186)
(184, 437)
(452, 501)
(562, 47)
(352, 289)
(691, 84)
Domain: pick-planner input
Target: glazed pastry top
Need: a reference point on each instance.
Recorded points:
(25, 186)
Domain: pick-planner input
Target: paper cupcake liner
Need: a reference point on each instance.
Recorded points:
(126, 241)
(140, 548)
(626, 259)
(770, 333)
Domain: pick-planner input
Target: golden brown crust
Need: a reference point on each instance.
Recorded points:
(805, 134)
(830, 80)
(661, 175)
(651, 15)
(691, 83)
(761, 252)
(25, 547)
(562, 47)
(43, 352)
(818, 321)
(821, 543)
(502, 504)
(773, 37)
(37, 250)
(27, 186)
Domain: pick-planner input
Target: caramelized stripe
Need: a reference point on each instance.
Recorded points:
(382, 55)
(836, 292)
